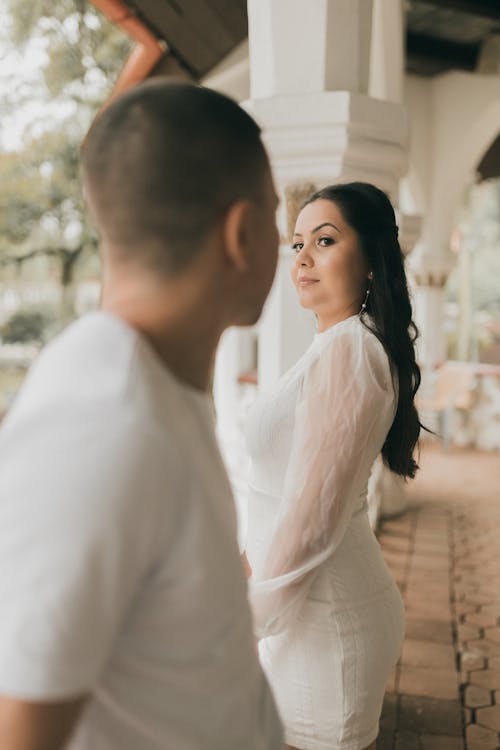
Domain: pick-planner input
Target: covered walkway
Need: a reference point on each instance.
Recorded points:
(444, 553)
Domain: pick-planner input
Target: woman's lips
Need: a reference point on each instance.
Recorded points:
(306, 281)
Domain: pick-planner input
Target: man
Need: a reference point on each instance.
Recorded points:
(125, 624)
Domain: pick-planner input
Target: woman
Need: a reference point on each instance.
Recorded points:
(328, 614)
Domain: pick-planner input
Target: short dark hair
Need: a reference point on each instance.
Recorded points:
(388, 312)
(163, 162)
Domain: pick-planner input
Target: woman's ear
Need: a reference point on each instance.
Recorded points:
(236, 234)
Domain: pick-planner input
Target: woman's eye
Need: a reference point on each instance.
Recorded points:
(297, 246)
(325, 241)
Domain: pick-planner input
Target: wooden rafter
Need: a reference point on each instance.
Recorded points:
(483, 8)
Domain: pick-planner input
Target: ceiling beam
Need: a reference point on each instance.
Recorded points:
(483, 8)
(489, 166)
(452, 54)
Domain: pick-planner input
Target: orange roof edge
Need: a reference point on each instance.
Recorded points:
(147, 53)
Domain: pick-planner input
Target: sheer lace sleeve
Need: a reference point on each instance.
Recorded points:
(343, 396)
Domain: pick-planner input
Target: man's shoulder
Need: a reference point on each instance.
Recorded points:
(84, 425)
(91, 390)
(98, 367)
(90, 360)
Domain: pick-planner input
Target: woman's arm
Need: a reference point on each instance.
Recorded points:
(342, 399)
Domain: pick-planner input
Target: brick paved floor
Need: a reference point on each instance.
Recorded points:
(445, 555)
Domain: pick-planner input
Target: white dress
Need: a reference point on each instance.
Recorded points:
(327, 611)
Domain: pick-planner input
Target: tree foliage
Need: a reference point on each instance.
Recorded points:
(26, 326)
(84, 49)
(41, 209)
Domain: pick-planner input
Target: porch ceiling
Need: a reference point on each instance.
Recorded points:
(448, 34)
(489, 166)
(441, 34)
(199, 33)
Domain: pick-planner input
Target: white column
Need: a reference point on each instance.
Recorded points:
(410, 228)
(309, 74)
(387, 57)
(285, 329)
(429, 274)
(429, 317)
(234, 356)
(299, 46)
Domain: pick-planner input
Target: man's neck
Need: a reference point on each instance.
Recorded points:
(190, 357)
(182, 326)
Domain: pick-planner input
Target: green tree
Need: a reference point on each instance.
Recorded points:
(84, 50)
(41, 211)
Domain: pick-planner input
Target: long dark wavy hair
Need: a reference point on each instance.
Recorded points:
(388, 312)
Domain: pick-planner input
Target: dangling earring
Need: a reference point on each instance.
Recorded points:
(365, 301)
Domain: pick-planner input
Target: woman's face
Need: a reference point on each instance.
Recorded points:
(329, 272)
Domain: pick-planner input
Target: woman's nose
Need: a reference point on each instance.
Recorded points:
(303, 257)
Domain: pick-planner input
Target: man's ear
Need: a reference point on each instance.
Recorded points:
(236, 234)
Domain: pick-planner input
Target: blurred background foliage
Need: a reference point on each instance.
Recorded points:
(46, 239)
(473, 287)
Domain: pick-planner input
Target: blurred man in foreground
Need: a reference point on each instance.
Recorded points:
(125, 623)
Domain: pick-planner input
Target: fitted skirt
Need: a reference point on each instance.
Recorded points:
(329, 670)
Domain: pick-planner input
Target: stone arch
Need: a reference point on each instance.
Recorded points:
(452, 180)
(486, 130)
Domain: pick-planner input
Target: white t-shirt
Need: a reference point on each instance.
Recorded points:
(120, 574)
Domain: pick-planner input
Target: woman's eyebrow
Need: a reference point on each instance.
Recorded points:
(320, 226)
(325, 224)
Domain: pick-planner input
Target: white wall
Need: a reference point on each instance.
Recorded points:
(232, 75)
(453, 119)
(415, 187)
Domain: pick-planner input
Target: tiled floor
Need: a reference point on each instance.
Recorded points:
(445, 554)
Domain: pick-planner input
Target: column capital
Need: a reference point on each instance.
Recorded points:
(430, 270)
(323, 137)
(410, 228)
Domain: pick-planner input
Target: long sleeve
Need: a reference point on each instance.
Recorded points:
(344, 396)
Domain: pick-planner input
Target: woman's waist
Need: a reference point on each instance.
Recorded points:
(264, 505)
(356, 570)
(321, 607)
(356, 556)
(265, 493)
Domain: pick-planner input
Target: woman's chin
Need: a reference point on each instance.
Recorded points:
(305, 301)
